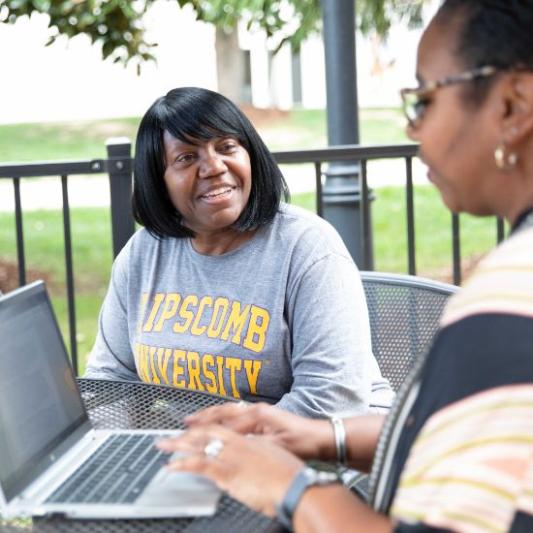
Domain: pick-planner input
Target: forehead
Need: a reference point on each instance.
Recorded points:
(435, 58)
(172, 142)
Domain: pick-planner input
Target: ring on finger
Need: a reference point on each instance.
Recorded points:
(213, 448)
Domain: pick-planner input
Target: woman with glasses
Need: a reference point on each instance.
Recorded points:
(456, 452)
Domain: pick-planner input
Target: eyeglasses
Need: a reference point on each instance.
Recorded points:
(415, 101)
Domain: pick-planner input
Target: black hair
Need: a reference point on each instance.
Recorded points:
(189, 114)
(498, 33)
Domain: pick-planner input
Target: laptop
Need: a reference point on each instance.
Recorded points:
(52, 461)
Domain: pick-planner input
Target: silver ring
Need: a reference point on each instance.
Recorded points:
(213, 448)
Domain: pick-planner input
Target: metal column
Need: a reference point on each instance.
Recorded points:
(342, 188)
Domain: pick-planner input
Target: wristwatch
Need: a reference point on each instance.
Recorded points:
(307, 477)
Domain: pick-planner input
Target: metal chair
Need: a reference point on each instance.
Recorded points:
(404, 316)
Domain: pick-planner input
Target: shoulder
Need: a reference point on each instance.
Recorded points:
(144, 247)
(502, 283)
(137, 242)
(293, 214)
(309, 231)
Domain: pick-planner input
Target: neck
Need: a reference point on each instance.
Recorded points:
(520, 202)
(220, 243)
(512, 193)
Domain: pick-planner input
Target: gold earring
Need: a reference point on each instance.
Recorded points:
(503, 160)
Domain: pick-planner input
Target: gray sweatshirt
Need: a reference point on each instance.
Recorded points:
(283, 319)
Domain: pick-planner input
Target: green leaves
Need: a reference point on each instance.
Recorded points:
(379, 15)
(116, 25)
(113, 24)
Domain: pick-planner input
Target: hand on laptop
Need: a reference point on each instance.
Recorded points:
(309, 439)
(251, 469)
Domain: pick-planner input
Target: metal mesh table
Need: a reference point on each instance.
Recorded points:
(122, 405)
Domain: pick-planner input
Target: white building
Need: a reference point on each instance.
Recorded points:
(69, 81)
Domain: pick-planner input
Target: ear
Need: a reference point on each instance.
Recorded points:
(517, 120)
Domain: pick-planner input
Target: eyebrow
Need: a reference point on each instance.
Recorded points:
(198, 142)
(178, 144)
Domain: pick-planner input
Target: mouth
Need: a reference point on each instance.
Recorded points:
(217, 193)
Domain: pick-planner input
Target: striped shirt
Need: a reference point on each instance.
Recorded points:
(465, 458)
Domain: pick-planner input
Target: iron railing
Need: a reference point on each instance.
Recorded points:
(363, 154)
(118, 166)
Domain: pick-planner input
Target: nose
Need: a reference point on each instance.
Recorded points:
(211, 164)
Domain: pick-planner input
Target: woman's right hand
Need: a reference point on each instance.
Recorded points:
(309, 439)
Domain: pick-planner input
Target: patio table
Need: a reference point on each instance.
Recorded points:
(125, 405)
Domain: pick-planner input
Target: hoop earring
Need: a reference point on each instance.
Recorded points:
(503, 160)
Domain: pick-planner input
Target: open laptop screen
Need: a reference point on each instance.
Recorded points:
(39, 401)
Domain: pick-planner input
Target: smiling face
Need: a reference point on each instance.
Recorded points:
(457, 140)
(208, 182)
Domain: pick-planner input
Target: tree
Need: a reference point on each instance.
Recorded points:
(117, 26)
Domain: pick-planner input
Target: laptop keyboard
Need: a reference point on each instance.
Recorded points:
(117, 472)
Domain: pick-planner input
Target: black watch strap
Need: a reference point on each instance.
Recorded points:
(307, 477)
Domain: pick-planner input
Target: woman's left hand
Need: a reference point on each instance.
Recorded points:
(251, 469)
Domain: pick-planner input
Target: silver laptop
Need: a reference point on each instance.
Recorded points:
(51, 459)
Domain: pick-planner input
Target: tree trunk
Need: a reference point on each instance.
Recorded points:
(230, 65)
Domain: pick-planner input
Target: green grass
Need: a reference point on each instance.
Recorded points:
(92, 254)
(382, 126)
(45, 259)
(68, 140)
(308, 129)
(44, 244)
(433, 237)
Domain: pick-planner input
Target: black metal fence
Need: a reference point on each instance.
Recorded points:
(364, 154)
(118, 166)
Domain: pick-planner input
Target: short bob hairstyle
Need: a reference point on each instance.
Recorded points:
(192, 114)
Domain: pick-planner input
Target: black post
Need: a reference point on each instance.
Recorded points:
(119, 168)
(342, 188)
